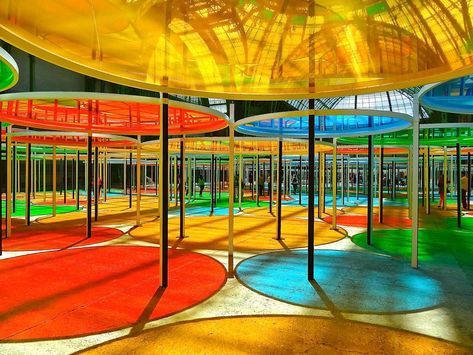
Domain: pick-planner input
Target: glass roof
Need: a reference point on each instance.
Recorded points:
(325, 126)
(454, 96)
(249, 49)
(393, 101)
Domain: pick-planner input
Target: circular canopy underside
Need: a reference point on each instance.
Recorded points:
(8, 70)
(243, 146)
(455, 96)
(106, 113)
(330, 123)
(434, 136)
(77, 140)
(364, 150)
(249, 48)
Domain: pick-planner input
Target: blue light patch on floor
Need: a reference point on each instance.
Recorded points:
(345, 281)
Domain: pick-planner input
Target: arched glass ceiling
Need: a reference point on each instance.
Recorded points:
(393, 101)
(249, 49)
(454, 96)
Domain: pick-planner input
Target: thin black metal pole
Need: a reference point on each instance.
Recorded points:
(212, 182)
(270, 187)
(280, 167)
(215, 182)
(130, 198)
(182, 188)
(89, 186)
(381, 165)
(156, 177)
(320, 196)
(369, 177)
(422, 188)
(96, 183)
(2, 182)
(14, 177)
(427, 182)
(28, 183)
(311, 193)
(257, 180)
(300, 180)
(469, 180)
(220, 178)
(64, 168)
(164, 205)
(393, 179)
(73, 179)
(432, 180)
(253, 178)
(77, 181)
(459, 188)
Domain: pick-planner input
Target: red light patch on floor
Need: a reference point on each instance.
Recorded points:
(275, 198)
(92, 290)
(39, 236)
(362, 221)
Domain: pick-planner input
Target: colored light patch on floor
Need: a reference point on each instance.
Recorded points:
(36, 210)
(345, 281)
(55, 236)
(284, 335)
(361, 221)
(446, 245)
(93, 290)
(114, 211)
(250, 233)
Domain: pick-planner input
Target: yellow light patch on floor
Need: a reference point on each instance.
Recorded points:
(252, 232)
(277, 335)
(287, 211)
(114, 211)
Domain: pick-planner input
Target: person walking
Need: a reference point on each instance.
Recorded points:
(464, 185)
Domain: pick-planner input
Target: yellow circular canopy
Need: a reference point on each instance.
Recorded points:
(243, 145)
(249, 49)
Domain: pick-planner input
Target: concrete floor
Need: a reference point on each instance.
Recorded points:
(450, 319)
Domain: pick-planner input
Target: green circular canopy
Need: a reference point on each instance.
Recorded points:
(434, 135)
(8, 71)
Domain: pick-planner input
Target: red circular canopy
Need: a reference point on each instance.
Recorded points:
(106, 113)
(73, 139)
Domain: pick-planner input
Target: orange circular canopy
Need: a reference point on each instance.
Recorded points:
(249, 49)
(106, 113)
(72, 139)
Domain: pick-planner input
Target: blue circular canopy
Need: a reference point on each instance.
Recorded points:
(328, 123)
(455, 96)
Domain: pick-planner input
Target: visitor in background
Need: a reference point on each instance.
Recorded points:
(201, 183)
(441, 187)
(261, 185)
(295, 183)
(464, 184)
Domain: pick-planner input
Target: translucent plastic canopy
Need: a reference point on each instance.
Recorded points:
(106, 113)
(8, 70)
(435, 135)
(329, 123)
(78, 140)
(243, 145)
(364, 150)
(249, 48)
(454, 96)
